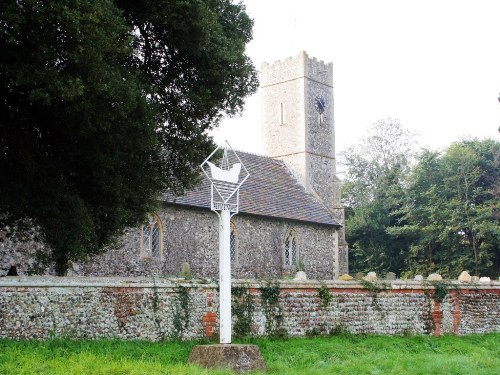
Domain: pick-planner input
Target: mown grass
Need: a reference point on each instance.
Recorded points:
(346, 354)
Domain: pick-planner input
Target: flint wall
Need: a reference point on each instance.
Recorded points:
(156, 309)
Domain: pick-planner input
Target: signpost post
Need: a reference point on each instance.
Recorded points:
(226, 173)
(226, 181)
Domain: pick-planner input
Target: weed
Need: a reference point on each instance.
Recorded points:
(325, 296)
(242, 307)
(441, 290)
(182, 312)
(269, 294)
(374, 288)
(313, 332)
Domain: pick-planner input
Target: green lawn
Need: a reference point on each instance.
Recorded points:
(475, 354)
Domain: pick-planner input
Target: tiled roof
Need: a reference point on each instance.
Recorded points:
(271, 190)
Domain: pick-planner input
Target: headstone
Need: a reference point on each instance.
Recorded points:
(346, 277)
(464, 277)
(484, 280)
(474, 279)
(390, 276)
(359, 276)
(434, 277)
(418, 278)
(300, 275)
(371, 276)
(185, 270)
(238, 358)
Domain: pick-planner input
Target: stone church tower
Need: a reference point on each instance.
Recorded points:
(298, 128)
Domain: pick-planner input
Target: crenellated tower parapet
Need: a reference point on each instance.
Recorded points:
(297, 67)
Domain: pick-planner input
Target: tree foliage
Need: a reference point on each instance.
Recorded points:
(104, 105)
(451, 211)
(385, 152)
(440, 215)
(191, 55)
(372, 191)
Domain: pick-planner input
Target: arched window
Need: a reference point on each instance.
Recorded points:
(233, 243)
(152, 238)
(291, 248)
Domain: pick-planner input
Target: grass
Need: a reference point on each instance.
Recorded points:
(348, 354)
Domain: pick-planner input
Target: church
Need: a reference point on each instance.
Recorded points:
(290, 216)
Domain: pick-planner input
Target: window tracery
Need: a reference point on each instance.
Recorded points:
(291, 248)
(233, 242)
(152, 238)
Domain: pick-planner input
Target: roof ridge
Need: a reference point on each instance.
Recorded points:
(278, 161)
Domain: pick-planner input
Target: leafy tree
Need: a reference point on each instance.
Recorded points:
(191, 55)
(373, 193)
(387, 148)
(452, 211)
(105, 104)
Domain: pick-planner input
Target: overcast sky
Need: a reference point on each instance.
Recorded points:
(434, 64)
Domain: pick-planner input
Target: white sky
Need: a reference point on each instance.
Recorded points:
(434, 64)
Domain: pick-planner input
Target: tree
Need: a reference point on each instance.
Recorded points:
(389, 147)
(106, 104)
(191, 55)
(452, 210)
(372, 192)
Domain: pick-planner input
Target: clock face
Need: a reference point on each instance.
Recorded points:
(319, 104)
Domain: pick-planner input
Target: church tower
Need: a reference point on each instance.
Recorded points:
(298, 128)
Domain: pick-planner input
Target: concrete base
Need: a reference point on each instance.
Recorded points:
(239, 358)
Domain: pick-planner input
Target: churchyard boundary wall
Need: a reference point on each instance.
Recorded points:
(157, 309)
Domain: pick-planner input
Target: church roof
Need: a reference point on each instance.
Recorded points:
(271, 190)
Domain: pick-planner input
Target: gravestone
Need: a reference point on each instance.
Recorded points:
(390, 276)
(465, 277)
(434, 277)
(300, 275)
(359, 276)
(185, 270)
(346, 277)
(371, 276)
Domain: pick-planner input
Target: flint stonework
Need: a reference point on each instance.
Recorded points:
(147, 308)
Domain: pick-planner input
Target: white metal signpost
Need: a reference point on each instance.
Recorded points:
(226, 180)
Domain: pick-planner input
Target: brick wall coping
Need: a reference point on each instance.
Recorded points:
(143, 282)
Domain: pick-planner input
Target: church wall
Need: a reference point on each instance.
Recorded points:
(262, 242)
(151, 308)
(20, 254)
(191, 235)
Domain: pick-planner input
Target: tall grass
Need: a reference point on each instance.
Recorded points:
(346, 354)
